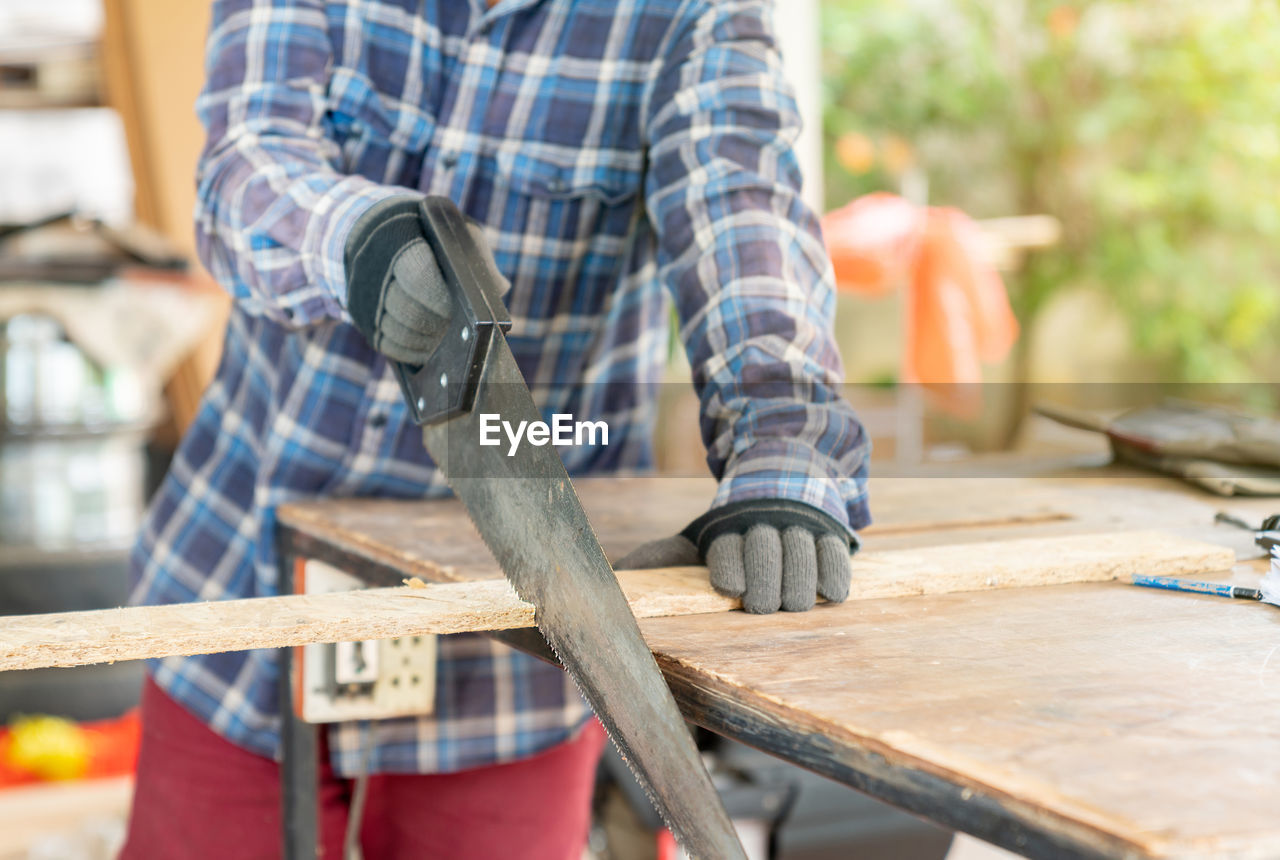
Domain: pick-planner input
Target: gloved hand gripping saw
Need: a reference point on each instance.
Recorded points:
(424, 291)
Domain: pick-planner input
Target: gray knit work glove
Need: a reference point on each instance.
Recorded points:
(396, 294)
(773, 553)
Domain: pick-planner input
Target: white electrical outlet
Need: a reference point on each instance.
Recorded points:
(408, 676)
(363, 680)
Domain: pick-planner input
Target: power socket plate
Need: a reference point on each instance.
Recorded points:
(362, 680)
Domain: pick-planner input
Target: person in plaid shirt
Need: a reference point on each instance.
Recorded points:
(614, 154)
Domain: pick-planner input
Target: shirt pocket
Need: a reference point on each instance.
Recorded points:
(597, 176)
(565, 223)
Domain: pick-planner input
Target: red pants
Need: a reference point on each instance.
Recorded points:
(199, 796)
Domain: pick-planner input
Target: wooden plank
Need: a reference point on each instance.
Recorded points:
(78, 638)
(140, 632)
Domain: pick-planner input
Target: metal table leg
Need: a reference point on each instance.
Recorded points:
(299, 771)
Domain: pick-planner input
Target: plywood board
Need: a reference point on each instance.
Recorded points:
(1087, 720)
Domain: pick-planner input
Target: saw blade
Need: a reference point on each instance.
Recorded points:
(529, 516)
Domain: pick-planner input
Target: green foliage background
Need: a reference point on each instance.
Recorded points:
(1150, 128)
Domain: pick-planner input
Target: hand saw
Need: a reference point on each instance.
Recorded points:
(529, 516)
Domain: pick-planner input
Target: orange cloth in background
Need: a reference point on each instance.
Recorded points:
(958, 315)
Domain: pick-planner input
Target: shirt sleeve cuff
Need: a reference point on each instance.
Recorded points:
(324, 252)
(784, 469)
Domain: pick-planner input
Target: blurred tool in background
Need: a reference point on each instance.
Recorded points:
(1224, 451)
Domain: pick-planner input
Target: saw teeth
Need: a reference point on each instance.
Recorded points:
(622, 749)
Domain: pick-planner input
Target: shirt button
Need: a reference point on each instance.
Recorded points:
(448, 160)
(377, 419)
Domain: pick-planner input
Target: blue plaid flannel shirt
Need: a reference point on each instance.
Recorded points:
(609, 149)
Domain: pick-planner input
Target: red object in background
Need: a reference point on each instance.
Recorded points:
(957, 310)
(668, 849)
(112, 744)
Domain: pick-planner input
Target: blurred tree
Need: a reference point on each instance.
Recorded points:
(1151, 128)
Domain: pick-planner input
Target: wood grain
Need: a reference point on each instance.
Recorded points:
(79, 638)
(1092, 720)
(435, 540)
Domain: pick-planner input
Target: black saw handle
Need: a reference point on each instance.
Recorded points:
(445, 386)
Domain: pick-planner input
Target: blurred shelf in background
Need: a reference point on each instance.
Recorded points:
(49, 54)
(49, 74)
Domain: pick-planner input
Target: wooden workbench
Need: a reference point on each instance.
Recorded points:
(1095, 720)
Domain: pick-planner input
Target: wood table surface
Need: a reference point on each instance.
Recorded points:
(1098, 720)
